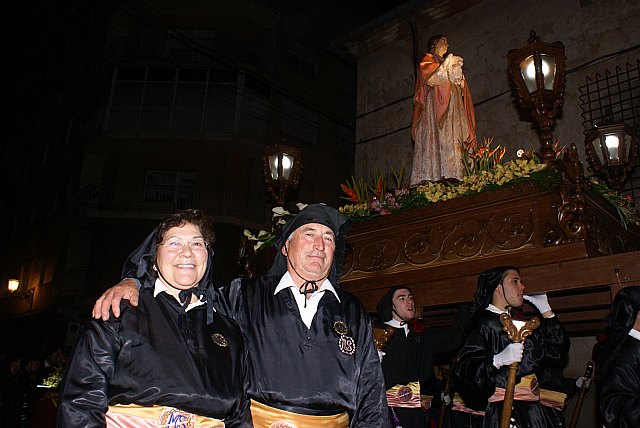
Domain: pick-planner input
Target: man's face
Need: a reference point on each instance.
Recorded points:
(510, 292)
(402, 301)
(310, 250)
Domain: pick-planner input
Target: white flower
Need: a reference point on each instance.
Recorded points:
(279, 212)
(263, 233)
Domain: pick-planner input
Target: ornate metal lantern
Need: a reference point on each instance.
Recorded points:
(538, 75)
(27, 296)
(612, 151)
(282, 167)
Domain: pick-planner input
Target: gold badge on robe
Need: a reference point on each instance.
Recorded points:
(219, 340)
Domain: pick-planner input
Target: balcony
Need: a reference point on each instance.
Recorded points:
(140, 201)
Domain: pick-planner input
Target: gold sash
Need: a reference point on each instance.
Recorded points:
(526, 390)
(460, 406)
(158, 416)
(269, 417)
(552, 398)
(407, 396)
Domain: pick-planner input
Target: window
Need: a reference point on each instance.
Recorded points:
(302, 60)
(185, 100)
(189, 45)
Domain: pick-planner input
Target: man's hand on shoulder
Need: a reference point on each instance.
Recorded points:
(110, 300)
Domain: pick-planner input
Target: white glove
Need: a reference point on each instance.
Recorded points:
(446, 399)
(583, 381)
(540, 301)
(511, 354)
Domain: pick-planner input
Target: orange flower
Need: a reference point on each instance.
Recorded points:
(351, 194)
(379, 187)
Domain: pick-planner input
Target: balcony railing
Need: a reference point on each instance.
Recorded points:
(220, 202)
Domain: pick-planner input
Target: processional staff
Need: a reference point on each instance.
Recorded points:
(588, 372)
(517, 331)
(382, 336)
(446, 376)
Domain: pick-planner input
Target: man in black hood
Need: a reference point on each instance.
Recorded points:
(407, 359)
(481, 370)
(311, 358)
(619, 365)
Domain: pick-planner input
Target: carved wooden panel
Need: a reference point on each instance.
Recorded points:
(489, 224)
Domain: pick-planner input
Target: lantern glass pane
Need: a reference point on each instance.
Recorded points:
(287, 165)
(627, 146)
(273, 166)
(597, 147)
(528, 71)
(548, 70)
(613, 142)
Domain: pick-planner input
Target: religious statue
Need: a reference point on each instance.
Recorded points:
(443, 115)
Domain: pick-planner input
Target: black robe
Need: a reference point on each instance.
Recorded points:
(156, 354)
(409, 358)
(551, 376)
(302, 369)
(619, 387)
(476, 376)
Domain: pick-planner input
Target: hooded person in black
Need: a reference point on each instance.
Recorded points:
(311, 358)
(311, 345)
(168, 358)
(407, 358)
(481, 369)
(619, 363)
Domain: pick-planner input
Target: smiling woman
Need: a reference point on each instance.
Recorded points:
(181, 258)
(167, 359)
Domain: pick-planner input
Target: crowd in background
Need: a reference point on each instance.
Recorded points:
(27, 396)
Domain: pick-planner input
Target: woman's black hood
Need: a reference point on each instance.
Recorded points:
(140, 264)
(314, 213)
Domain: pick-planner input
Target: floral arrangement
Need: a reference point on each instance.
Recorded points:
(263, 238)
(375, 199)
(484, 170)
(623, 204)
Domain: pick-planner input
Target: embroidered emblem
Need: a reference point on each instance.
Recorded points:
(283, 424)
(347, 345)
(535, 388)
(341, 327)
(219, 340)
(404, 394)
(174, 418)
(426, 404)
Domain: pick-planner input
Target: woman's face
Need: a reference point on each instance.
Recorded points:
(441, 46)
(182, 256)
